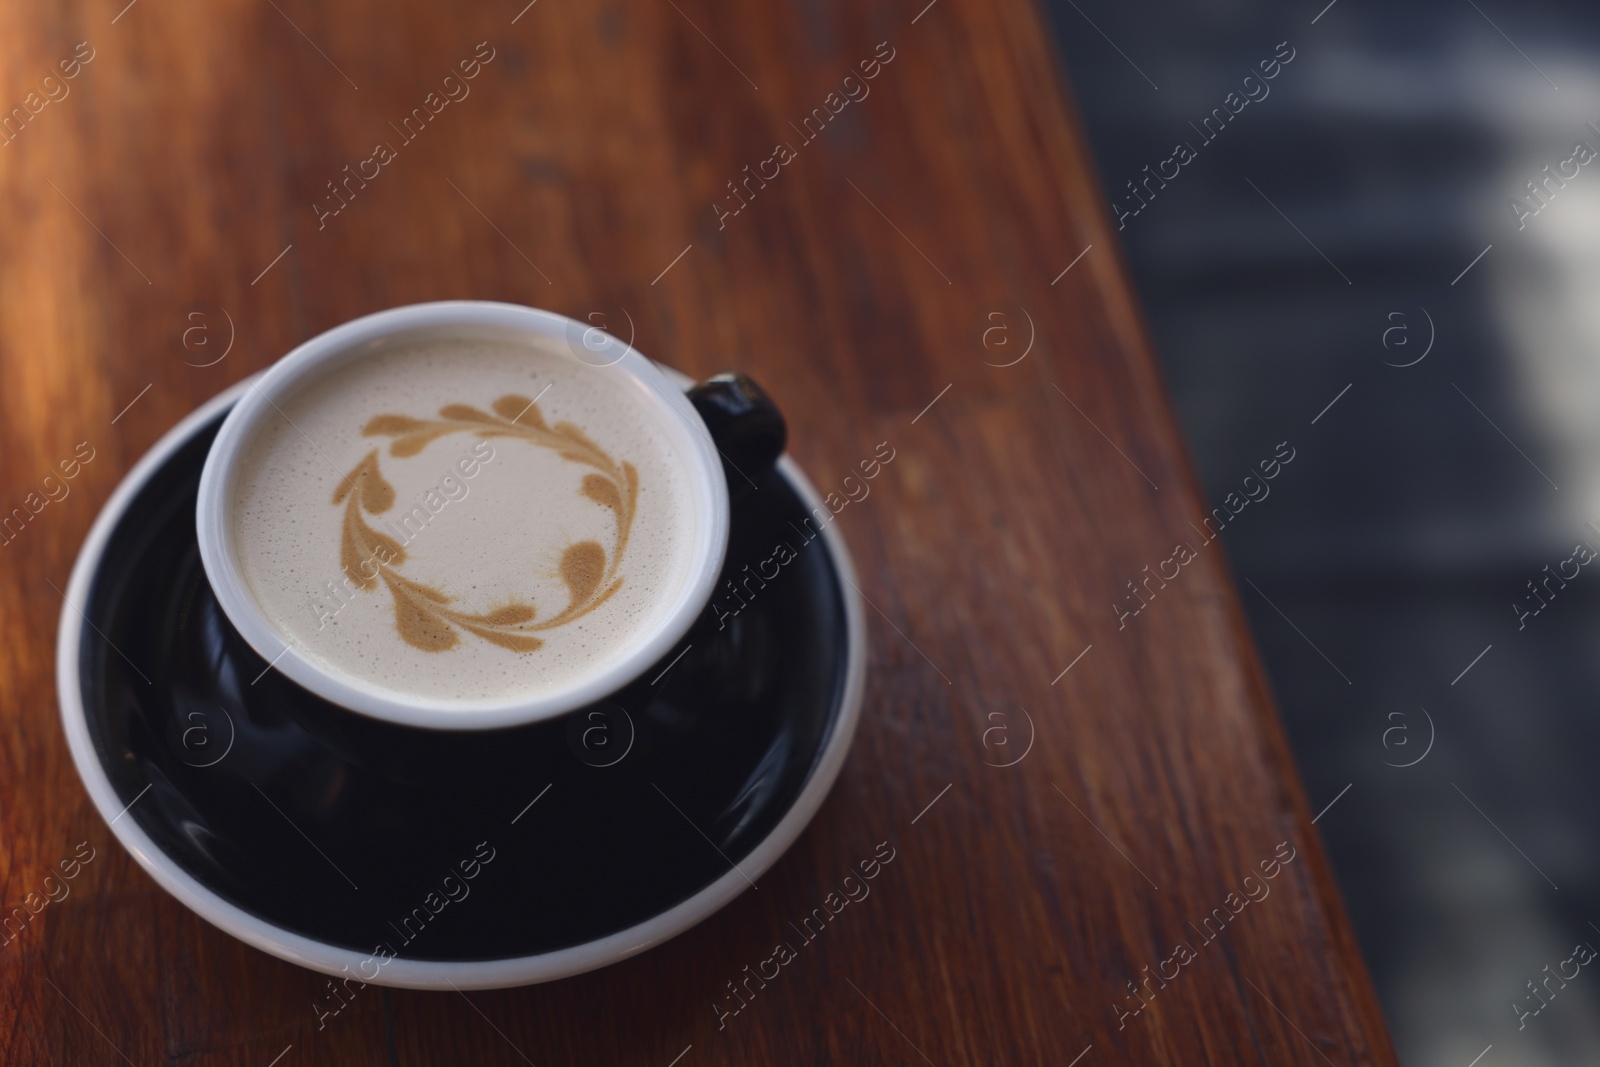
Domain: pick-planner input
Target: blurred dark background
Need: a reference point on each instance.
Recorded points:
(1311, 251)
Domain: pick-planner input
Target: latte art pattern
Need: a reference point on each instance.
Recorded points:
(422, 613)
(466, 519)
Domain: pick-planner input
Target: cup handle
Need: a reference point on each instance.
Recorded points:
(746, 426)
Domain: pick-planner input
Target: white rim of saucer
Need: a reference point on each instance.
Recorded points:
(431, 974)
(356, 338)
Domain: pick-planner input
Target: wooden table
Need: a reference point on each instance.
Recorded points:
(926, 262)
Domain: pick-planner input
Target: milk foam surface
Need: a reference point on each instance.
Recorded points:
(485, 523)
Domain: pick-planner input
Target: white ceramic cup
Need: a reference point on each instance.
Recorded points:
(558, 337)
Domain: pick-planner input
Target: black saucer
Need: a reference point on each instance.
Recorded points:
(355, 833)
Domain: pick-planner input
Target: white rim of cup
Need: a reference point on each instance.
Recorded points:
(429, 974)
(353, 340)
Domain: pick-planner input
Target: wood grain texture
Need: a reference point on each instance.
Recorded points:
(857, 285)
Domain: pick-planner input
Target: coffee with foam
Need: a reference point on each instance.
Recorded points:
(465, 520)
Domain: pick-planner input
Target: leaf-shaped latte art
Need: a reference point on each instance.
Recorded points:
(390, 425)
(412, 444)
(582, 567)
(602, 491)
(519, 409)
(369, 484)
(508, 615)
(421, 627)
(505, 639)
(464, 413)
(424, 616)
